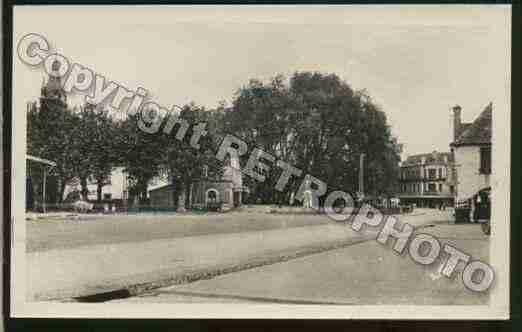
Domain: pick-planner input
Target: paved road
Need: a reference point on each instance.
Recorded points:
(363, 274)
(92, 230)
(101, 265)
(87, 230)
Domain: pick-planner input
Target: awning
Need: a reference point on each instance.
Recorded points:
(40, 160)
(484, 189)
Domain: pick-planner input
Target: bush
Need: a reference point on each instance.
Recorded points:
(82, 206)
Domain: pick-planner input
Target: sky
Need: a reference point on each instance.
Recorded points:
(416, 62)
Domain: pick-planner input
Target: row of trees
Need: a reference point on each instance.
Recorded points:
(88, 143)
(315, 122)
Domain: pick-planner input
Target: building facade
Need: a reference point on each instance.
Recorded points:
(471, 150)
(116, 190)
(206, 191)
(426, 180)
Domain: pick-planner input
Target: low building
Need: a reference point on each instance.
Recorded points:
(426, 180)
(206, 191)
(162, 197)
(471, 150)
(116, 189)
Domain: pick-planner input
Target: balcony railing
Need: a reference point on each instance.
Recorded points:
(426, 193)
(423, 179)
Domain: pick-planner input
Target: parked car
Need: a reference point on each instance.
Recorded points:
(462, 211)
(482, 209)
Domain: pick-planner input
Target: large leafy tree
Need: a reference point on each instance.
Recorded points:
(319, 124)
(96, 153)
(50, 135)
(262, 115)
(140, 153)
(182, 162)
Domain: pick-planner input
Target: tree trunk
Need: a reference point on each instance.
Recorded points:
(181, 199)
(99, 188)
(181, 202)
(141, 191)
(187, 195)
(62, 190)
(84, 189)
(144, 193)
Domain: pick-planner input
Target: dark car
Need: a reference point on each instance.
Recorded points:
(482, 209)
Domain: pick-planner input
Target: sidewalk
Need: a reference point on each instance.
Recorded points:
(88, 270)
(49, 215)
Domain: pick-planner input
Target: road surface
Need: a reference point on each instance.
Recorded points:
(78, 258)
(363, 274)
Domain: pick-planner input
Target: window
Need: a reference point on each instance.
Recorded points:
(440, 187)
(485, 160)
(432, 187)
(211, 196)
(452, 189)
(432, 173)
(107, 196)
(440, 173)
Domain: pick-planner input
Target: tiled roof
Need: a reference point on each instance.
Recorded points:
(479, 132)
(463, 127)
(430, 158)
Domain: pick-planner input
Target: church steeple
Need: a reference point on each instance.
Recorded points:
(53, 88)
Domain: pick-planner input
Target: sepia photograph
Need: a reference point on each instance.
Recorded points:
(347, 162)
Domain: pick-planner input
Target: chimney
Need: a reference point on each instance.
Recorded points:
(456, 121)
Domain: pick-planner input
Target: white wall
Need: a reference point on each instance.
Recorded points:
(467, 163)
(233, 172)
(117, 187)
(118, 184)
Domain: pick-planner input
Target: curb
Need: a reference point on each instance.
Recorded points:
(215, 271)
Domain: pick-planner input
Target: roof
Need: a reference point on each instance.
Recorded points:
(462, 128)
(429, 158)
(40, 160)
(479, 132)
(162, 187)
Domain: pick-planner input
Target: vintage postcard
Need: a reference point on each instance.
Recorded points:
(261, 161)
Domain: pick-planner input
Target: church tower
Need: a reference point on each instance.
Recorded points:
(52, 90)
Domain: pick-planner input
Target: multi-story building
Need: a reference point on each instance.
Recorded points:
(471, 150)
(426, 180)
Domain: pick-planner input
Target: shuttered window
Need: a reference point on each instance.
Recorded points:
(485, 160)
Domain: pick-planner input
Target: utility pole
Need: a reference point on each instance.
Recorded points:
(43, 188)
(361, 175)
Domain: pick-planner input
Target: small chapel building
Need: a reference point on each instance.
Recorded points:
(207, 192)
